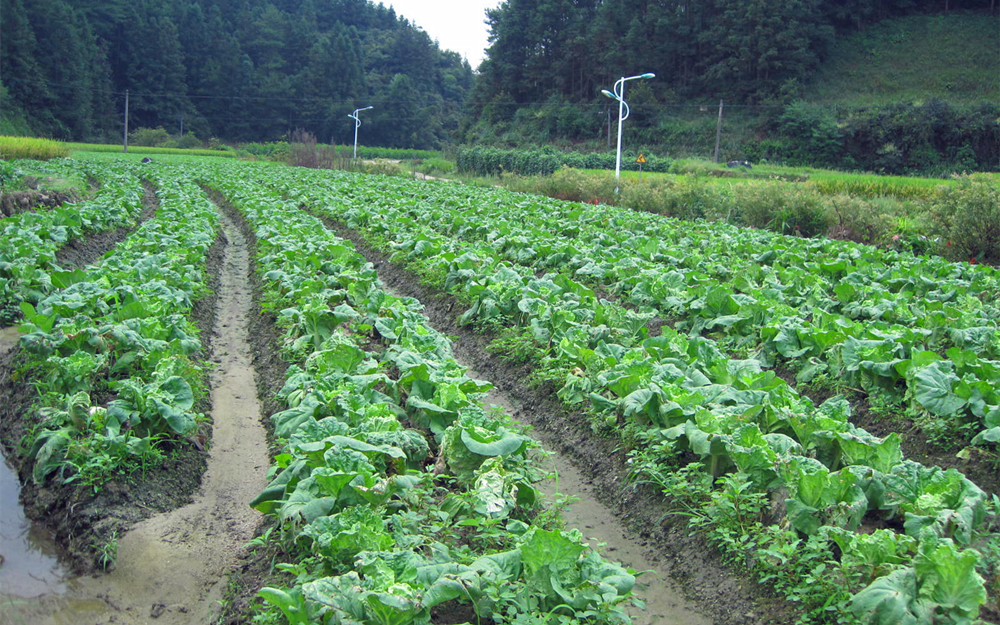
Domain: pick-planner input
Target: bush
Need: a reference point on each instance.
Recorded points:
(436, 166)
(969, 214)
(487, 161)
(149, 137)
(189, 142)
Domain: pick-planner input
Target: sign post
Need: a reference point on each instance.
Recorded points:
(641, 160)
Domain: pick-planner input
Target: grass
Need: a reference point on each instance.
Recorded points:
(825, 181)
(912, 59)
(137, 149)
(12, 148)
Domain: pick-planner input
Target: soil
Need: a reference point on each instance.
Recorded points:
(17, 202)
(255, 569)
(596, 468)
(84, 251)
(172, 566)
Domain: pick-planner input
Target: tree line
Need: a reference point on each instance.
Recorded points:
(233, 69)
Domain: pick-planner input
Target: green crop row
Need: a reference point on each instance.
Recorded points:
(920, 332)
(111, 350)
(396, 489)
(139, 149)
(29, 241)
(676, 394)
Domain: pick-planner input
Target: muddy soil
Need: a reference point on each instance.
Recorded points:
(172, 567)
(637, 516)
(80, 252)
(85, 522)
(17, 202)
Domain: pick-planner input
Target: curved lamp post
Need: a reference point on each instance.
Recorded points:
(357, 124)
(623, 111)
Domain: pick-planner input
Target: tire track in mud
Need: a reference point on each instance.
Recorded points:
(172, 567)
(686, 581)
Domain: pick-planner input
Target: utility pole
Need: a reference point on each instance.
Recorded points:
(182, 124)
(718, 134)
(125, 136)
(609, 129)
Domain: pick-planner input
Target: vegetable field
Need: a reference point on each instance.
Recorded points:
(815, 415)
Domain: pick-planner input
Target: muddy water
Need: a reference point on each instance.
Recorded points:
(665, 603)
(171, 568)
(29, 566)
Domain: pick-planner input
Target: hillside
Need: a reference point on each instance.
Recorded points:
(913, 59)
(246, 70)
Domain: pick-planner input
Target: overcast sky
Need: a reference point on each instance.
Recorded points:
(457, 25)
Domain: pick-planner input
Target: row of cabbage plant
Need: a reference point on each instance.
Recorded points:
(398, 492)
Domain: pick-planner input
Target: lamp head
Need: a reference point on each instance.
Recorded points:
(609, 94)
(648, 75)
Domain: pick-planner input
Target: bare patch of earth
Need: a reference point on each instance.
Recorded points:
(17, 202)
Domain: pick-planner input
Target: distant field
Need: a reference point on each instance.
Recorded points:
(824, 180)
(98, 147)
(913, 59)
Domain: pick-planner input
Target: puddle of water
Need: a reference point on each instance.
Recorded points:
(28, 563)
(30, 567)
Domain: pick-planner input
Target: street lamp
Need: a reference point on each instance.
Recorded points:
(357, 124)
(623, 111)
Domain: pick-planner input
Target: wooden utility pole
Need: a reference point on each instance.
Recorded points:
(609, 129)
(125, 136)
(718, 134)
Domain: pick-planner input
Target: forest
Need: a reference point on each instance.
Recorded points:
(257, 70)
(239, 70)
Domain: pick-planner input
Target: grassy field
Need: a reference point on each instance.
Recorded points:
(137, 149)
(911, 60)
(825, 181)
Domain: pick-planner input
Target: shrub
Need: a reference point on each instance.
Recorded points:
(149, 137)
(436, 166)
(189, 142)
(488, 161)
(969, 214)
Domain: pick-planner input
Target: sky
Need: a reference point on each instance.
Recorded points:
(457, 25)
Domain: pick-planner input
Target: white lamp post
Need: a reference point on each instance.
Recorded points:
(623, 111)
(357, 124)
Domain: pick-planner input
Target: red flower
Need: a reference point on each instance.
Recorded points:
(949, 243)
(972, 261)
(594, 201)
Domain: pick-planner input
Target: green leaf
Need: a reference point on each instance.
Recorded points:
(948, 577)
(498, 443)
(180, 390)
(933, 389)
(892, 600)
(550, 549)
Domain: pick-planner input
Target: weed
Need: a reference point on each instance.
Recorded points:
(107, 551)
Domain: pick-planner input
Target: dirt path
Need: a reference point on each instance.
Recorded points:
(172, 567)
